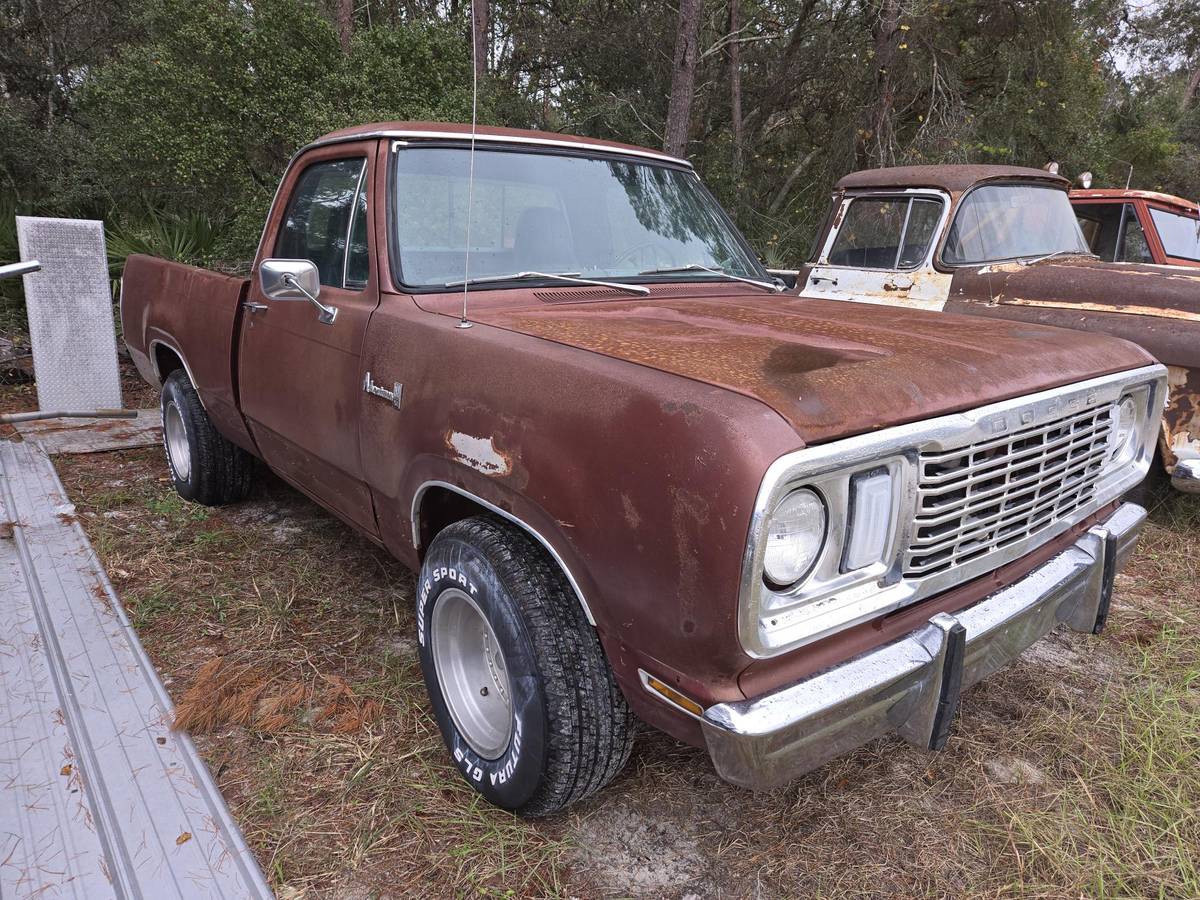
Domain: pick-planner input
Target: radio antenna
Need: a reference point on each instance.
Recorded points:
(463, 322)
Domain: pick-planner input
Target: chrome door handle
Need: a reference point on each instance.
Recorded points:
(251, 306)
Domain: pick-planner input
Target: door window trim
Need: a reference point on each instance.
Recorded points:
(358, 192)
(907, 194)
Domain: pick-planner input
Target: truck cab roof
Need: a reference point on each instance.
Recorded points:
(1128, 194)
(951, 179)
(399, 130)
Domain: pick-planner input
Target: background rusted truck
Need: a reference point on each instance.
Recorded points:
(1001, 242)
(1123, 225)
(634, 476)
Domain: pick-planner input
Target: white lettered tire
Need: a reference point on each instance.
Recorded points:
(517, 680)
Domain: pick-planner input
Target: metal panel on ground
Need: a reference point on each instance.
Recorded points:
(70, 314)
(94, 435)
(100, 797)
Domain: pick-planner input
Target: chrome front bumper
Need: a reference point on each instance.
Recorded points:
(912, 686)
(1186, 476)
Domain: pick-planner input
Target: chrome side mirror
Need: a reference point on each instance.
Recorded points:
(294, 279)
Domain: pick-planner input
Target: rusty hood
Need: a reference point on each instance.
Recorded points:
(830, 368)
(1088, 284)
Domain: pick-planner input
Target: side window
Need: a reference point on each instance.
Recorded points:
(317, 223)
(1180, 235)
(1100, 223)
(886, 233)
(1134, 247)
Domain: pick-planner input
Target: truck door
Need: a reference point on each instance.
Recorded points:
(300, 378)
(880, 250)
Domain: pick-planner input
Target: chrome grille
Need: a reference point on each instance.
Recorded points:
(976, 499)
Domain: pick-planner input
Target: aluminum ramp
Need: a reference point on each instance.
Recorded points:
(98, 797)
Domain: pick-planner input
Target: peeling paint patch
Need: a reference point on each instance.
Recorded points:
(1000, 268)
(479, 453)
(1181, 419)
(1157, 312)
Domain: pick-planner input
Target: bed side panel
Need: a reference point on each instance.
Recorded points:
(195, 313)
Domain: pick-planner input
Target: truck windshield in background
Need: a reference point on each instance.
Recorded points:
(554, 213)
(1012, 221)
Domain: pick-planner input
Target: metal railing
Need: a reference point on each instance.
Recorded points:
(12, 270)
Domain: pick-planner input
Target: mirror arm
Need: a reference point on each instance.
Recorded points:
(328, 313)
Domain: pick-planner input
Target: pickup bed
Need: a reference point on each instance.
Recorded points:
(1002, 242)
(634, 476)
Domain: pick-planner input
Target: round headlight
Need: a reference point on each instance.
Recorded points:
(795, 535)
(1124, 440)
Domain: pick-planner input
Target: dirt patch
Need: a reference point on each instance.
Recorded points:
(637, 851)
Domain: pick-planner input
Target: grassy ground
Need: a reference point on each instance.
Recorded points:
(289, 641)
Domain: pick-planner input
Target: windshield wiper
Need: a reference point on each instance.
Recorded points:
(572, 277)
(773, 286)
(1037, 259)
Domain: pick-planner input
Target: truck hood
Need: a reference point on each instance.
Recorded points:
(1136, 288)
(830, 368)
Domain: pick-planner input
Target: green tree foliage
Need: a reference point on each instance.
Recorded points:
(173, 119)
(204, 114)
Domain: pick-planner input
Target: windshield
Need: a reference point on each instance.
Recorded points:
(1012, 221)
(556, 214)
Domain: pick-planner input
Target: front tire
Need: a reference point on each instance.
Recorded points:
(525, 700)
(205, 466)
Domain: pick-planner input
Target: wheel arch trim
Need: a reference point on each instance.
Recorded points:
(504, 514)
(153, 352)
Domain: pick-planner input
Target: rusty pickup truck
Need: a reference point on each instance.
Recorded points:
(1124, 225)
(1002, 242)
(634, 476)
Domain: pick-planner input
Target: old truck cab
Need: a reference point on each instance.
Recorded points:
(1122, 225)
(1004, 242)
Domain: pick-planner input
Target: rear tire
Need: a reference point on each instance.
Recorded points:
(498, 621)
(205, 466)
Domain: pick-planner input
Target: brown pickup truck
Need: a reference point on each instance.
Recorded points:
(1002, 242)
(635, 477)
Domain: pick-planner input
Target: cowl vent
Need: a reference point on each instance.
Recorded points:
(595, 294)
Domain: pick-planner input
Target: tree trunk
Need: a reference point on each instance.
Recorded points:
(1192, 86)
(735, 84)
(683, 78)
(886, 35)
(783, 192)
(479, 34)
(345, 23)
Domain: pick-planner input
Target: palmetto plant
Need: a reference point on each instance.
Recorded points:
(187, 238)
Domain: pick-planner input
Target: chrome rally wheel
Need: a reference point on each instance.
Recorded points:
(471, 672)
(179, 454)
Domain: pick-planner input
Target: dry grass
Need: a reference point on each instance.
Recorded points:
(287, 643)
